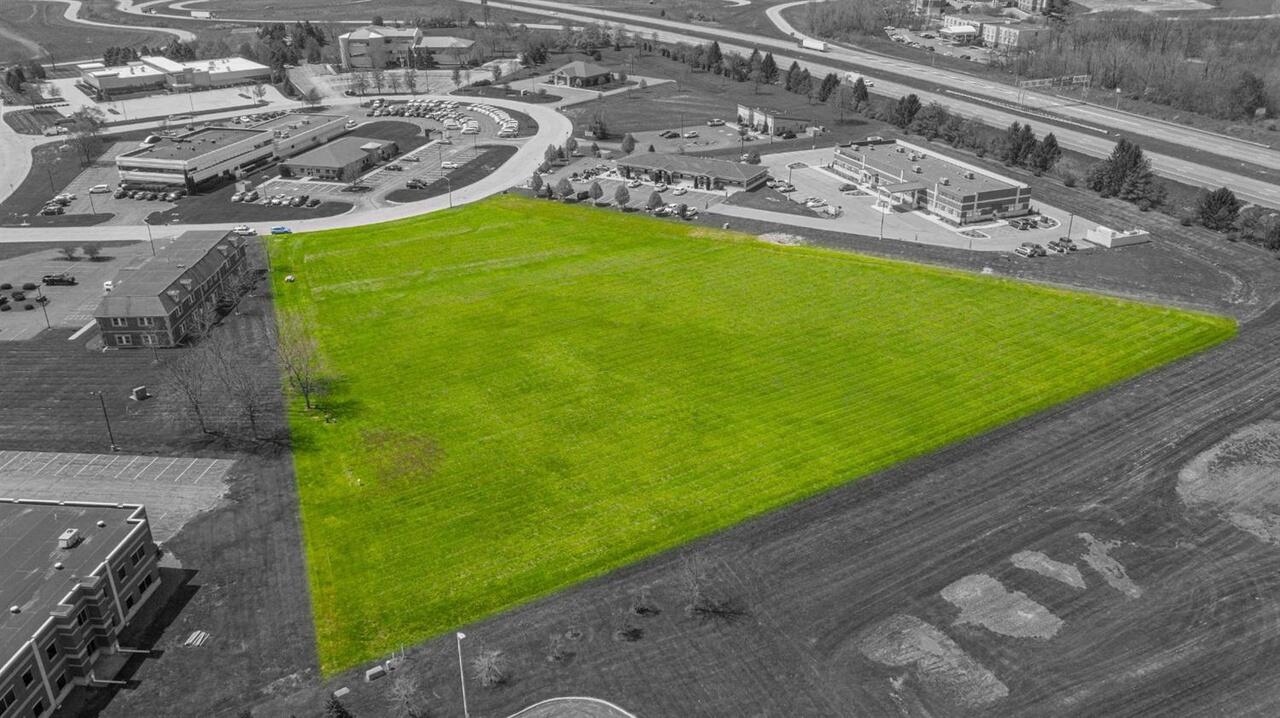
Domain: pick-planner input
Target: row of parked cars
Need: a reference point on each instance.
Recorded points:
(276, 200)
(1061, 245)
(259, 117)
(57, 205)
(508, 126)
(172, 195)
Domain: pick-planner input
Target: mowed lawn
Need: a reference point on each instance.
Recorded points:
(531, 394)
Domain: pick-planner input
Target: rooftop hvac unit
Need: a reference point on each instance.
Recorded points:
(901, 149)
(945, 181)
(185, 281)
(916, 169)
(968, 175)
(69, 539)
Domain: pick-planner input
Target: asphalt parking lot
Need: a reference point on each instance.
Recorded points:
(173, 489)
(610, 181)
(68, 307)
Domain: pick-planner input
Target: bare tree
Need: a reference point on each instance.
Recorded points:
(393, 83)
(185, 377)
(706, 596)
(411, 81)
(86, 132)
(378, 77)
(259, 92)
(92, 251)
(300, 357)
(69, 253)
(311, 97)
(359, 82)
(490, 667)
(405, 697)
(558, 648)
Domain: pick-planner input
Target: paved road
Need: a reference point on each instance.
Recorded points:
(72, 14)
(553, 128)
(667, 30)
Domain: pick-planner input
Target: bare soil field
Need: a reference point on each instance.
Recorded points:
(41, 31)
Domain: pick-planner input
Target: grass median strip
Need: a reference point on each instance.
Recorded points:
(531, 394)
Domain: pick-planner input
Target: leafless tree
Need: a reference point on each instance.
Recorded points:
(411, 81)
(69, 253)
(393, 83)
(405, 696)
(558, 648)
(705, 595)
(86, 132)
(185, 377)
(360, 82)
(259, 91)
(489, 667)
(300, 357)
(92, 251)
(378, 77)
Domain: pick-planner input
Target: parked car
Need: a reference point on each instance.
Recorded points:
(99, 189)
(313, 203)
(238, 197)
(61, 279)
(121, 194)
(51, 210)
(243, 230)
(716, 122)
(281, 229)
(18, 296)
(690, 134)
(395, 168)
(678, 191)
(449, 165)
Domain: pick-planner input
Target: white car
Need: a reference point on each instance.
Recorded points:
(243, 230)
(634, 183)
(352, 124)
(660, 187)
(679, 191)
(449, 165)
(99, 189)
(690, 134)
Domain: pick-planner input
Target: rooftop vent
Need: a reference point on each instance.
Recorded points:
(968, 175)
(945, 181)
(916, 169)
(15, 609)
(185, 281)
(69, 539)
(102, 524)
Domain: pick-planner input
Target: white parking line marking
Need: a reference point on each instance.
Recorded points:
(126, 467)
(184, 471)
(212, 464)
(171, 463)
(11, 460)
(144, 469)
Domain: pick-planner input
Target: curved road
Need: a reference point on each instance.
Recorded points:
(1248, 188)
(553, 128)
(72, 14)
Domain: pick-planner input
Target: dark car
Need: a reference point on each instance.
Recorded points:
(62, 279)
(18, 296)
(313, 203)
(584, 195)
(120, 194)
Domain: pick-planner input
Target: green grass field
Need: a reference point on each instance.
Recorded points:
(532, 394)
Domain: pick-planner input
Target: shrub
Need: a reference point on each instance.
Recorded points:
(1069, 179)
(28, 307)
(29, 286)
(6, 286)
(5, 307)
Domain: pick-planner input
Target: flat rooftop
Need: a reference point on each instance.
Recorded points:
(193, 144)
(28, 550)
(303, 119)
(897, 166)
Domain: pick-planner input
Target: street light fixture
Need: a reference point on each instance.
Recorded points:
(462, 676)
(102, 403)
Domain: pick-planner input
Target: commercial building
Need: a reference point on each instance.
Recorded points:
(72, 577)
(1032, 6)
(162, 300)
(962, 33)
(703, 172)
(378, 46)
(581, 74)
(155, 73)
(445, 50)
(210, 154)
(341, 160)
(907, 177)
(771, 121)
(1012, 37)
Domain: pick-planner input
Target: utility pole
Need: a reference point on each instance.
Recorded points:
(102, 403)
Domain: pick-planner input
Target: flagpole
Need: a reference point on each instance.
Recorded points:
(462, 676)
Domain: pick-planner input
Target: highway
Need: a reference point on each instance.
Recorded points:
(842, 60)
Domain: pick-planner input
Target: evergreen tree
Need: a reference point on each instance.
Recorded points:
(713, 57)
(655, 201)
(535, 182)
(829, 84)
(861, 95)
(564, 188)
(621, 196)
(769, 68)
(1248, 96)
(595, 190)
(1219, 209)
(628, 143)
(792, 77)
(905, 111)
(1047, 154)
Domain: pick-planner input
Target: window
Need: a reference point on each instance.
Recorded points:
(149, 339)
(62, 681)
(146, 321)
(27, 677)
(52, 650)
(130, 600)
(93, 648)
(123, 340)
(137, 555)
(7, 700)
(37, 710)
(146, 583)
(82, 617)
(119, 321)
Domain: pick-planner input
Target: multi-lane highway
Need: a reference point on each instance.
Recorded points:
(944, 82)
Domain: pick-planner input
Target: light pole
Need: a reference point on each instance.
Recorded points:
(1071, 220)
(151, 240)
(39, 296)
(102, 402)
(882, 214)
(449, 182)
(1117, 99)
(93, 209)
(462, 676)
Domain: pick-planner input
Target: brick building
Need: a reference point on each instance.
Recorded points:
(907, 177)
(161, 300)
(72, 577)
(341, 160)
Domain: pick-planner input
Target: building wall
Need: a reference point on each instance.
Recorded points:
(190, 172)
(379, 52)
(346, 173)
(306, 137)
(169, 330)
(86, 624)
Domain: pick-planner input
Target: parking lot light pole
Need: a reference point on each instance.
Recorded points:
(39, 296)
(449, 183)
(150, 239)
(462, 676)
(110, 436)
